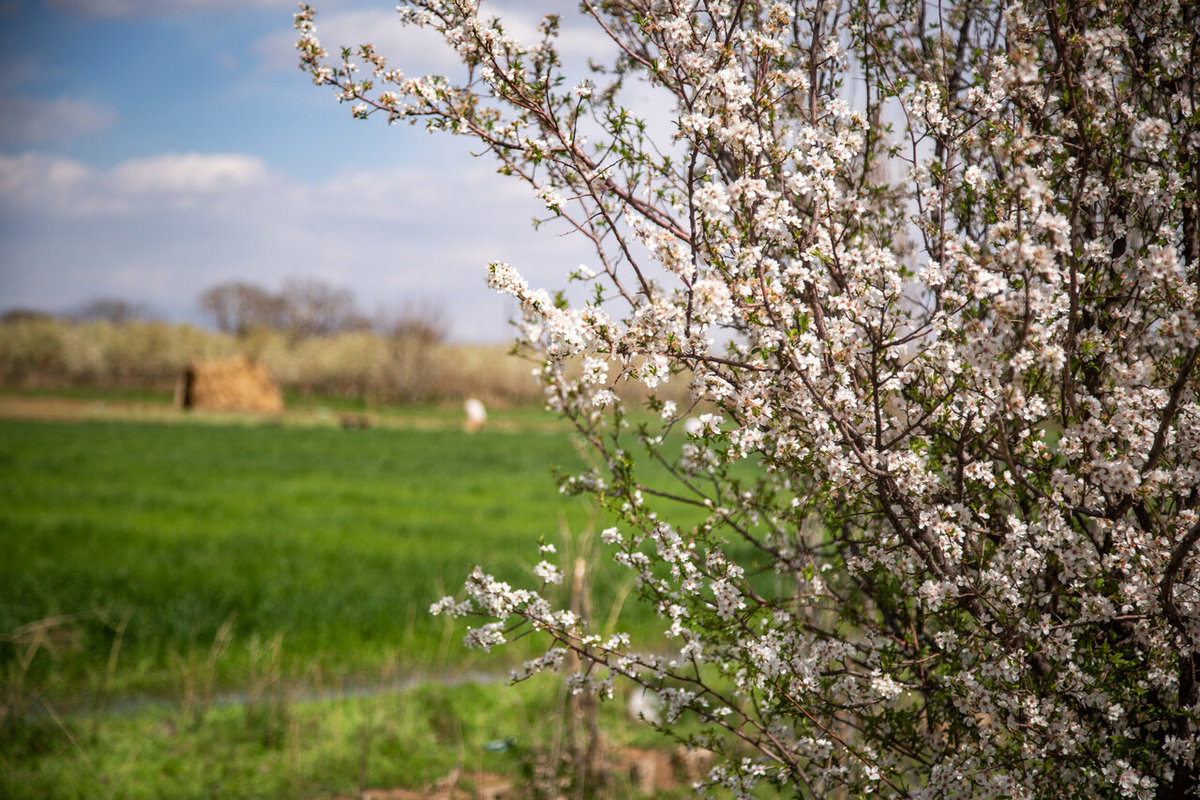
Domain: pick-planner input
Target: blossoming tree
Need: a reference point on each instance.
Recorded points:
(932, 272)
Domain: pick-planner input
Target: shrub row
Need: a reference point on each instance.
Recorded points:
(48, 353)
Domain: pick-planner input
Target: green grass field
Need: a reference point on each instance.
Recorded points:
(173, 596)
(337, 541)
(235, 607)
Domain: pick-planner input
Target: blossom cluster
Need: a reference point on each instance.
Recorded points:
(932, 501)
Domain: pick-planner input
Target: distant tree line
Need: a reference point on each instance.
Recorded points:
(302, 308)
(311, 335)
(308, 307)
(305, 307)
(101, 309)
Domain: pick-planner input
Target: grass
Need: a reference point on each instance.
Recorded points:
(193, 610)
(337, 541)
(335, 747)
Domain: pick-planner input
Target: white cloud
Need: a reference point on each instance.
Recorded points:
(63, 188)
(188, 174)
(416, 51)
(579, 37)
(127, 9)
(421, 52)
(32, 182)
(25, 120)
(159, 230)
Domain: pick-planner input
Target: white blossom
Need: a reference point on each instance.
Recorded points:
(934, 362)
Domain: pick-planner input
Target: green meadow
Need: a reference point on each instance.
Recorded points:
(337, 541)
(176, 596)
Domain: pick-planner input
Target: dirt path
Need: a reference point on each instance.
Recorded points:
(68, 409)
(49, 408)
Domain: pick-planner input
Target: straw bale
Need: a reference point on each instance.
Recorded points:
(229, 384)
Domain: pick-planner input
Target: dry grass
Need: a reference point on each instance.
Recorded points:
(367, 368)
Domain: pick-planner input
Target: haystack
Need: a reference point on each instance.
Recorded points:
(229, 384)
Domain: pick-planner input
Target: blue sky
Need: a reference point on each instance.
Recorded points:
(150, 149)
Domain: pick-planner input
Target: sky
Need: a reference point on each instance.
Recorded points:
(151, 149)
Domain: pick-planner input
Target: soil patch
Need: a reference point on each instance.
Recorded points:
(71, 409)
(455, 786)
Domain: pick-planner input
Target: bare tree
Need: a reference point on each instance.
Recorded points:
(238, 307)
(23, 314)
(313, 307)
(111, 309)
(424, 322)
(411, 332)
